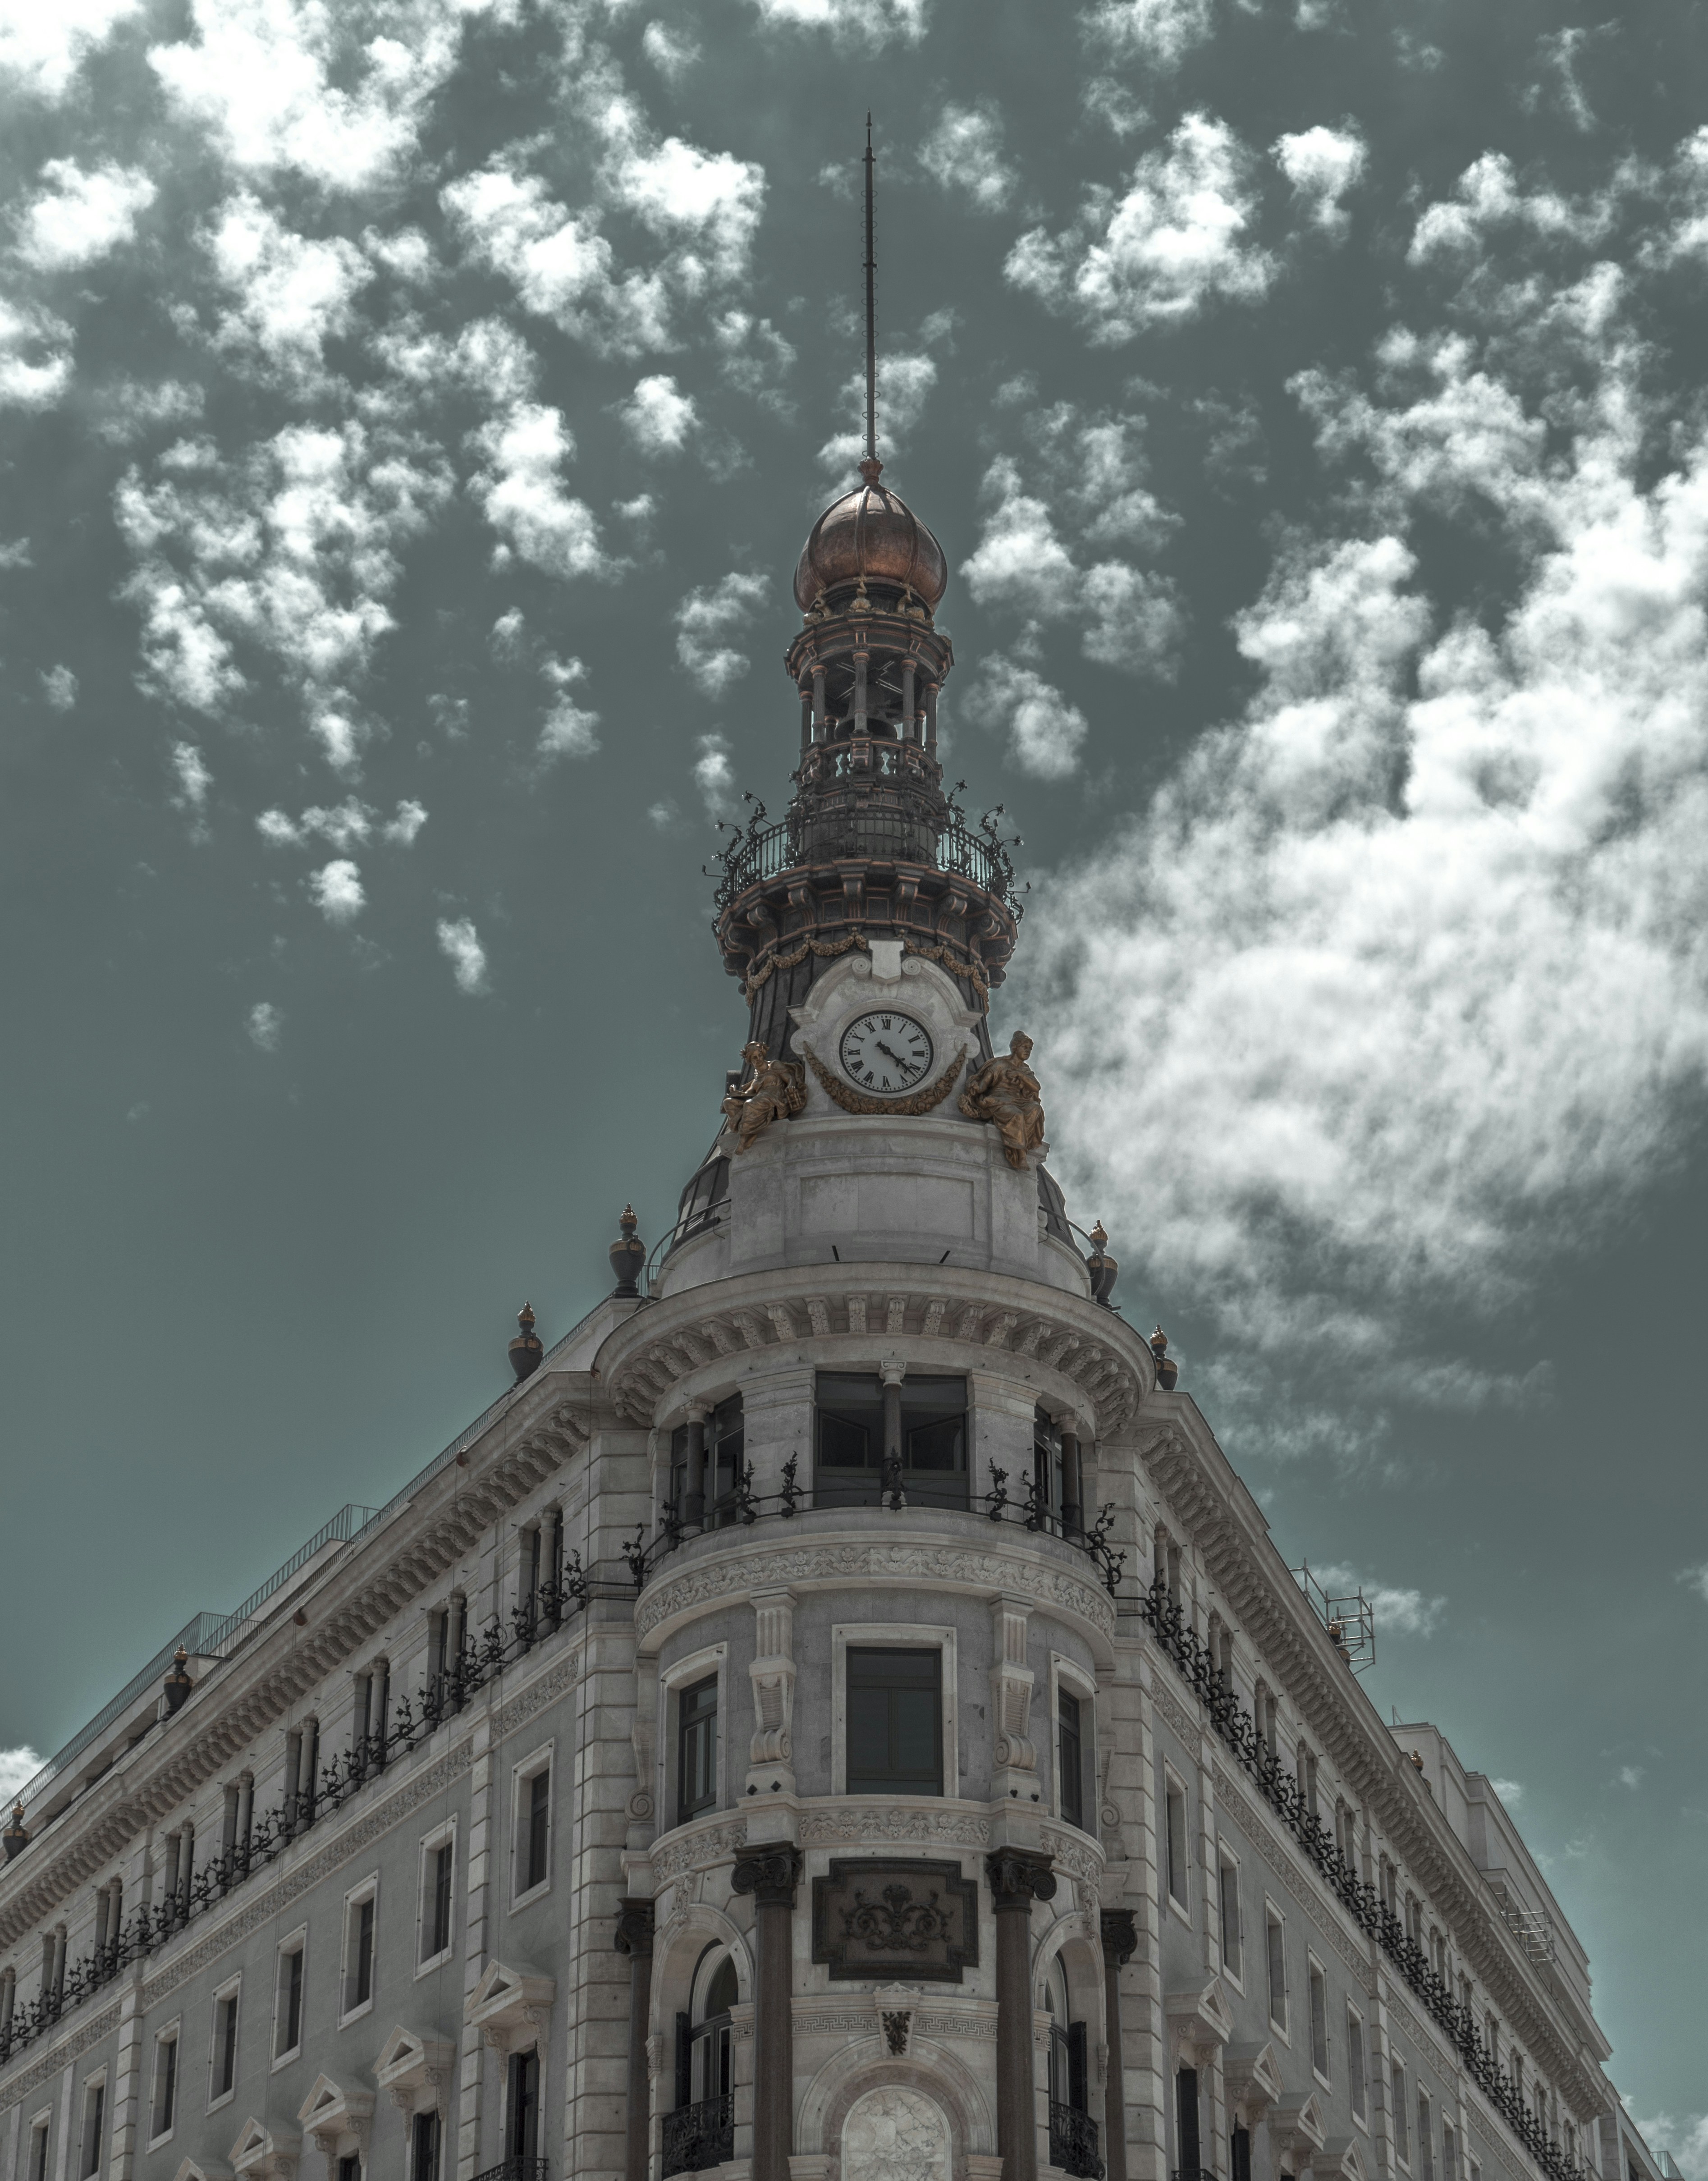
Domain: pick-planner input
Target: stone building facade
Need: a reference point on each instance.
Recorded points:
(837, 1717)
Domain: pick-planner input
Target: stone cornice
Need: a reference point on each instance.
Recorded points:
(359, 1591)
(646, 1357)
(1208, 1498)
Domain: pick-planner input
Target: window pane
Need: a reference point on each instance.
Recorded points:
(940, 1446)
(845, 1444)
(894, 1722)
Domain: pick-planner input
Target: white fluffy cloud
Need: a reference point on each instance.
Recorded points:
(346, 825)
(1398, 1612)
(658, 417)
(459, 944)
(265, 1025)
(1489, 197)
(336, 890)
(1179, 237)
(41, 49)
(59, 686)
(1697, 1577)
(34, 356)
(1322, 165)
(17, 1768)
(705, 621)
(672, 53)
(964, 152)
(714, 775)
(570, 730)
(80, 216)
(709, 198)
(290, 293)
(190, 769)
(1159, 32)
(1361, 940)
(558, 262)
(522, 495)
(1020, 562)
(865, 22)
(1045, 732)
(905, 381)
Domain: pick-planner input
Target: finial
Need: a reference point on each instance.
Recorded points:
(15, 1840)
(1103, 1267)
(527, 1350)
(871, 455)
(1417, 1759)
(627, 1255)
(178, 1683)
(1167, 1371)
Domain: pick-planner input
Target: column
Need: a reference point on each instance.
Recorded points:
(931, 717)
(771, 1875)
(859, 693)
(909, 726)
(693, 1491)
(1073, 1489)
(1017, 1877)
(1120, 1937)
(634, 1922)
(890, 1370)
(820, 732)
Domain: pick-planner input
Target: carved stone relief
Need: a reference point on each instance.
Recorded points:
(895, 2135)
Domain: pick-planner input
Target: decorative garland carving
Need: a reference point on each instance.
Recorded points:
(856, 1101)
(823, 947)
(700, 1851)
(956, 965)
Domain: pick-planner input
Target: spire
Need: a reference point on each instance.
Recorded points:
(871, 455)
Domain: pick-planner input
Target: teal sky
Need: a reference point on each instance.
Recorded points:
(410, 414)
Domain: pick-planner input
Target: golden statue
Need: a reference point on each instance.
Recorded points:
(1005, 1093)
(775, 1091)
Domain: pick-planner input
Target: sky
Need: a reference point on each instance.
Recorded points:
(410, 414)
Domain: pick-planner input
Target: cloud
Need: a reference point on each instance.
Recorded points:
(862, 22)
(459, 944)
(705, 621)
(1158, 32)
(904, 384)
(964, 152)
(80, 217)
(672, 53)
(507, 639)
(265, 1025)
(523, 500)
(293, 294)
(1157, 255)
(59, 686)
(190, 769)
(1630, 1775)
(1685, 2139)
(1045, 732)
(1697, 1577)
(128, 408)
(558, 262)
(657, 418)
(19, 1766)
(1020, 561)
(336, 889)
(34, 356)
(569, 731)
(713, 775)
(1511, 1792)
(1487, 196)
(402, 828)
(1137, 620)
(345, 825)
(43, 48)
(1322, 164)
(676, 189)
(1398, 1612)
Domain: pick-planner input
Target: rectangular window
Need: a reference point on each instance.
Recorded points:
(94, 2122)
(1278, 1972)
(423, 2147)
(1355, 2067)
(1426, 2139)
(724, 1444)
(349, 2166)
(696, 1748)
(224, 2055)
(1228, 1880)
(287, 2012)
(164, 2106)
(1176, 1805)
(437, 1868)
(358, 1953)
(38, 2150)
(928, 1429)
(536, 1828)
(1402, 2147)
(1068, 1758)
(521, 2117)
(895, 1722)
(1450, 2152)
(1319, 2022)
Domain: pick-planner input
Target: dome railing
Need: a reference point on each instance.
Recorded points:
(767, 852)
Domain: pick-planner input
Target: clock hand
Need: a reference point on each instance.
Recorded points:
(885, 1049)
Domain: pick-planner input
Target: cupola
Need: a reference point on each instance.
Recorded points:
(870, 536)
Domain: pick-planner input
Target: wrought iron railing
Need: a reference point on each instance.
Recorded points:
(502, 1643)
(741, 1505)
(1073, 2142)
(1280, 1789)
(766, 852)
(699, 2136)
(518, 2169)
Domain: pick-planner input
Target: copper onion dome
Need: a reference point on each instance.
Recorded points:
(871, 532)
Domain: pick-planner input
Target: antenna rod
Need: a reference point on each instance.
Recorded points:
(871, 313)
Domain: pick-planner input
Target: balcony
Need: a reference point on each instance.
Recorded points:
(1073, 2142)
(696, 2136)
(516, 2169)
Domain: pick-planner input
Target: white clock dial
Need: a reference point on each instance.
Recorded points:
(885, 1051)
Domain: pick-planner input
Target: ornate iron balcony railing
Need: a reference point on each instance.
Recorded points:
(516, 2169)
(1280, 1789)
(1073, 2142)
(698, 2136)
(766, 852)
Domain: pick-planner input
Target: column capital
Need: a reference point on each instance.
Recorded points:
(770, 1875)
(634, 1926)
(1120, 1935)
(1018, 1876)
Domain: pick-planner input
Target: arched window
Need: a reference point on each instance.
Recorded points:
(1073, 2132)
(701, 2131)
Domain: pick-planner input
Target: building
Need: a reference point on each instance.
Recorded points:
(838, 1716)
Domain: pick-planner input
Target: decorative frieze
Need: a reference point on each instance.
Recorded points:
(884, 1917)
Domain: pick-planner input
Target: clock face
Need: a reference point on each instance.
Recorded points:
(885, 1051)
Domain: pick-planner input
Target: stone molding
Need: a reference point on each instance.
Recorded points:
(1043, 1325)
(82, 2038)
(748, 1565)
(698, 1850)
(887, 1826)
